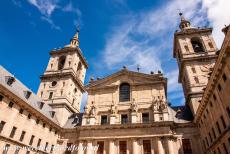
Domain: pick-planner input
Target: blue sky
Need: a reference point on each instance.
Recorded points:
(113, 33)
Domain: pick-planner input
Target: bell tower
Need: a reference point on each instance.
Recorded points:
(62, 83)
(195, 51)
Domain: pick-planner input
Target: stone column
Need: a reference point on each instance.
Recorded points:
(160, 148)
(111, 147)
(152, 146)
(133, 117)
(170, 146)
(89, 149)
(135, 149)
(112, 118)
(80, 148)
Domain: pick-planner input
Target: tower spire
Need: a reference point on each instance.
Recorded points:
(74, 42)
(184, 24)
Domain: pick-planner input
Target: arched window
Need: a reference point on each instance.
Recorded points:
(61, 62)
(124, 92)
(197, 45)
(79, 66)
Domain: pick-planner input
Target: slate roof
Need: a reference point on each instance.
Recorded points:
(181, 113)
(19, 89)
(74, 120)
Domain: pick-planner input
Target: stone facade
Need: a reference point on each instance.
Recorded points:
(126, 112)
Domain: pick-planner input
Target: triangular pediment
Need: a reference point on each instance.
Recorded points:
(124, 75)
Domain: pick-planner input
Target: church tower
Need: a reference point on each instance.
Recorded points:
(195, 51)
(62, 83)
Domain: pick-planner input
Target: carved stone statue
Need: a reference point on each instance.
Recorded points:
(86, 109)
(113, 108)
(92, 110)
(134, 107)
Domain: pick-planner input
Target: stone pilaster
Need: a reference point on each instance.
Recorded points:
(170, 145)
(135, 149)
(80, 147)
(112, 119)
(133, 117)
(160, 147)
(90, 147)
(111, 147)
(92, 120)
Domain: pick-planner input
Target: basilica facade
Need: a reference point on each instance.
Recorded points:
(126, 112)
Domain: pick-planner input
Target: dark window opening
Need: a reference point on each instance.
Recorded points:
(54, 83)
(219, 87)
(12, 133)
(61, 62)
(228, 111)
(2, 124)
(124, 118)
(210, 45)
(197, 46)
(37, 121)
(214, 134)
(31, 140)
(214, 96)
(50, 95)
(225, 148)
(145, 117)
(22, 136)
(29, 116)
(6, 149)
(17, 150)
(41, 105)
(218, 127)
(11, 104)
(122, 147)
(147, 146)
(79, 67)
(10, 80)
(104, 119)
(46, 146)
(21, 111)
(52, 149)
(100, 147)
(124, 92)
(1, 97)
(186, 146)
(210, 137)
(39, 142)
(224, 77)
(68, 149)
(196, 79)
(211, 104)
(27, 94)
(193, 69)
(223, 122)
(186, 48)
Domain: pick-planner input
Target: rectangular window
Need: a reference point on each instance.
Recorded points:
(186, 48)
(214, 96)
(13, 132)
(210, 103)
(124, 118)
(1, 98)
(2, 124)
(161, 117)
(31, 140)
(52, 149)
(186, 146)
(210, 137)
(37, 121)
(228, 111)
(218, 127)
(224, 77)
(218, 149)
(27, 152)
(219, 87)
(100, 147)
(147, 146)
(44, 125)
(21, 111)
(206, 139)
(51, 95)
(223, 122)
(22, 136)
(122, 147)
(11, 104)
(145, 117)
(214, 134)
(39, 142)
(104, 119)
(46, 146)
(196, 79)
(193, 69)
(6, 149)
(29, 116)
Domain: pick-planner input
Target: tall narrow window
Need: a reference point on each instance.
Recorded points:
(145, 117)
(46, 146)
(22, 136)
(214, 134)
(124, 92)
(39, 142)
(31, 140)
(1, 98)
(79, 67)
(122, 147)
(51, 95)
(193, 69)
(52, 149)
(228, 111)
(100, 147)
(11, 104)
(17, 150)
(124, 118)
(147, 147)
(2, 124)
(186, 146)
(218, 127)
(196, 79)
(223, 122)
(224, 77)
(225, 148)
(197, 45)
(61, 62)
(210, 45)
(13, 132)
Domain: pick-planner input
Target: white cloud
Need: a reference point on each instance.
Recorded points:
(218, 14)
(46, 7)
(53, 25)
(146, 38)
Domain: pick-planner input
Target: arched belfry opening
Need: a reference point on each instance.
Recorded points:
(61, 62)
(197, 45)
(124, 92)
